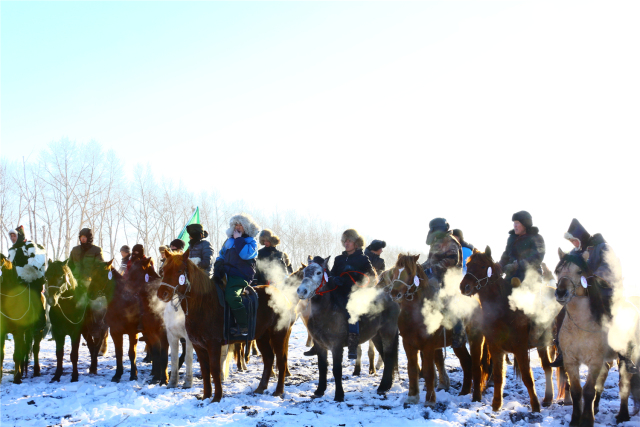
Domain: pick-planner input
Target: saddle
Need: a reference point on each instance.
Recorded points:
(250, 302)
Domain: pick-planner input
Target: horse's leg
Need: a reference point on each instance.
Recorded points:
(604, 373)
(2, 338)
(358, 367)
(522, 356)
(371, 353)
(543, 353)
(28, 340)
(278, 343)
(117, 343)
(267, 359)
(184, 352)
(444, 383)
(322, 372)
(174, 342)
(336, 352)
(625, 388)
(429, 370)
(214, 366)
(75, 350)
(133, 341)
(59, 356)
(466, 364)
(287, 373)
(37, 337)
(203, 358)
(475, 345)
(497, 357)
(413, 370)
(188, 379)
(18, 356)
(573, 371)
(226, 353)
(588, 395)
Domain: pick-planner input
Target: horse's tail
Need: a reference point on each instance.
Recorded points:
(394, 353)
(561, 382)
(516, 368)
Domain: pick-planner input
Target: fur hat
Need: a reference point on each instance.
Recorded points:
(268, 235)
(125, 248)
(354, 236)
(196, 231)
(88, 233)
(524, 218)
(438, 227)
(251, 228)
(138, 250)
(457, 233)
(13, 231)
(178, 244)
(376, 245)
(577, 231)
(163, 248)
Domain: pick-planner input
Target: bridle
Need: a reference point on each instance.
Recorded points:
(177, 297)
(480, 283)
(408, 294)
(62, 289)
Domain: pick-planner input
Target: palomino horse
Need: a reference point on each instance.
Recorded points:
(409, 286)
(506, 330)
(204, 322)
(22, 315)
(68, 302)
(328, 327)
(123, 314)
(584, 338)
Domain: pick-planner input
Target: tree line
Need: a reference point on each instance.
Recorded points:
(69, 186)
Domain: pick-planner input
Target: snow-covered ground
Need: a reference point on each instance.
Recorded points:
(95, 400)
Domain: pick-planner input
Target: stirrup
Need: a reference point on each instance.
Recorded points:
(631, 367)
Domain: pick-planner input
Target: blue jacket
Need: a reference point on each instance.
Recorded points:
(239, 256)
(204, 251)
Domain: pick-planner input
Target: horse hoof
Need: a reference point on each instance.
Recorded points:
(338, 398)
(317, 394)
(622, 418)
(259, 390)
(442, 387)
(36, 374)
(546, 403)
(74, 379)
(200, 397)
(412, 400)
(172, 385)
(54, 380)
(17, 381)
(133, 378)
(356, 373)
(187, 386)
(278, 393)
(115, 379)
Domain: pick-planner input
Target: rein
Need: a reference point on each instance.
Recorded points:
(346, 273)
(28, 306)
(64, 288)
(410, 292)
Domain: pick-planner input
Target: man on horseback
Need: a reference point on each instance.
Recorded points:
(525, 248)
(200, 250)
(271, 264)
(125, 252)
(444, 252)
(602, 263)
(84, 256)
(237, 259)
(373, 252)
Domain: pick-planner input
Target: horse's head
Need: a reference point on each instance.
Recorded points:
(175, 271)
(571, 272)
(103, 279)
(480, 270)
(142, 272)
(313, 277)
(405, 277)
(295, 278)
(59, 280)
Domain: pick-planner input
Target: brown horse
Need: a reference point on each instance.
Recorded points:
(409, 286)
(204, 322)
(128, 300)
(506, 330)
(584, 337)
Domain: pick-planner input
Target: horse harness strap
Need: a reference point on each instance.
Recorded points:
(408, 295)
(177, 296)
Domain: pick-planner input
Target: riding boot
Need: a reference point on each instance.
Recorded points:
(313, 351)
(352, 344)
(242, 328)
(631, 367)
(559, 362)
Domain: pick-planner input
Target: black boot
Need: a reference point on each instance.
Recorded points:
(352, 344)
(313, 351)
(631, 367)
(559, 362)
(241, 318)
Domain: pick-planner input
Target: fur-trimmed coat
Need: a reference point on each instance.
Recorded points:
(81, 261)
(527, 251)
(29, 260)
(444, 253)
(239, 255)
(358, 262)
(603, 262)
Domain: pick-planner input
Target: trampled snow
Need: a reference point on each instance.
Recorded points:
(95, 400)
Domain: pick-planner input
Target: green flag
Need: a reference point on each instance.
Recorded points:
(184, 236)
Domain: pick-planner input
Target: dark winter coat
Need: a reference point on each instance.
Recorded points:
(603, 261)
(527, 251)
(376, 261)
(445, 252)
(203, 251)
(356, 262)
(82, 259)
(239, 256)
(272, 265)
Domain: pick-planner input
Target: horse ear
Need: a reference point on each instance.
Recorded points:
(146, 262)
(399, 256)
(560, 253)
(167, 253)
(49, 261)
(416, 257)
(185, 256)
(309, 259)
(108, 266)
(303, 265)
(585, 255)
(325, 264)
(487, 251)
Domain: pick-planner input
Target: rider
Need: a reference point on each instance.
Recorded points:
(177, 245)
(237, 259)
(444, 252)
(28, 259)
(200, 250)
(467, 248)
(84, 256)
(125, 252)
(271, 264)
(603, 263)
(525, 248)
(373, 251)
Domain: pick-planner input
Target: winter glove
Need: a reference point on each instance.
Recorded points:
(218, 269)
(335, 281)
(511, 268)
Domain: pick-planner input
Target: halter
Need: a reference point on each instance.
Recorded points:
(177, 297)
(412, 289)
(64, 288)
(580, 262)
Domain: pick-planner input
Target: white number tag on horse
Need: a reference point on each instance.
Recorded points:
(489, 272)
(146, 278)
(416, 281)
(110, 275)
(583, 281)
(182, 279)
(326, 277)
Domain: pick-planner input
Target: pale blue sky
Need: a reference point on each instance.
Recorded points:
(379, 116)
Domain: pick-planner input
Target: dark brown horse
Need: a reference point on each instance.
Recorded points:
(128, 300)
(22, 315)
(506, 330)
(205, 318)
(409, 286)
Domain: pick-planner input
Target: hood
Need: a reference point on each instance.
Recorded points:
(251, 228)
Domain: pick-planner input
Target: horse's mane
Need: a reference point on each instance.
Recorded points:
(201, 285)
(410, 263)
(72, 280)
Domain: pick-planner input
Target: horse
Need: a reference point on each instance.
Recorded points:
(506, 330)
(584, 337)
(327, 326)
(124, 298)
(68, 302)
(174, 322)
(22, 315)
(409, 286)
(204, 320)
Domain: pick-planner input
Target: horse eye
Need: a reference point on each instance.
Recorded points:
(317, 272)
